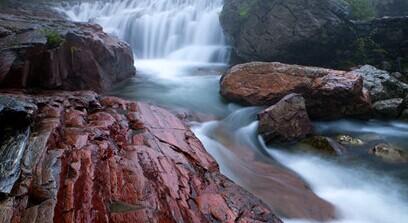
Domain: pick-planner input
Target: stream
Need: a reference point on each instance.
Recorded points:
(180, 54)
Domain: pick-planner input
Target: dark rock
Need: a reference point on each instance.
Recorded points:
(391, 7)
(381, 85)
(313, 32)
(404, 115)
(92, 159)
(285, 121)
(51, 53)
(15, 121)
(294, 31)
(390, 108)
(328, 93)
(389, 153)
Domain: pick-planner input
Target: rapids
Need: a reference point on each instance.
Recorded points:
(180, 52)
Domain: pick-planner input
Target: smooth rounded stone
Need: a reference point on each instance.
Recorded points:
(324, 145)
(380, 84)
(285, 121)
(390, 108)
(389, 153)
(349, 140)
(329, 94)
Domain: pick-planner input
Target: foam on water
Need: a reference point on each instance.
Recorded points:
(360, 195)
(173, 41)
(186, 30)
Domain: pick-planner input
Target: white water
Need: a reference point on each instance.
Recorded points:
(360, 195)
(186, 30)
(175, 42)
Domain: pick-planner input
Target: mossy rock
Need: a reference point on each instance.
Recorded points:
(322, 144)
(349, 140)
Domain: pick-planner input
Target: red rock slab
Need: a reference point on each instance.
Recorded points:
(157, 171)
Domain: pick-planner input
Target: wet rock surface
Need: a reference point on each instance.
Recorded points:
(323, 145)
(328, 93)
(387, 92)
(285, 121)
(92, 159)
(15, 120)
(314, 32)
(41, 50)
(389, 153)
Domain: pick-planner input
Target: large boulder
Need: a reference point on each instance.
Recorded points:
(291, 31)
(313, 32)
(285, 121)
(93, 159)
(328, 93)
(51, 53)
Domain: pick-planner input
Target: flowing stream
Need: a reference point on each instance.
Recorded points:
(180, 52)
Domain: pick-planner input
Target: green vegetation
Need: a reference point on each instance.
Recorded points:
(54, 39)
(245, 9)
(362, 9)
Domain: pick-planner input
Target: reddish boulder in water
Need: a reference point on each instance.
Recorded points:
(285, 121)
(110, 160)
(329, 93)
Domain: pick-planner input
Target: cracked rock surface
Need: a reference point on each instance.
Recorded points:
(104, 159)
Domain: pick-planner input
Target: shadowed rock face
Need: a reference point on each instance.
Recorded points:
(314, 32)
(15, 120)
(290, 31)
(42, 51)
(92, 159)
(285, 121)
(328, 93)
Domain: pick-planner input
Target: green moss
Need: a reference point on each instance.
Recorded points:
(54, 39)
(246, 8)
(362, 9)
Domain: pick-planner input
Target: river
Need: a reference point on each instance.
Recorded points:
(180, 53)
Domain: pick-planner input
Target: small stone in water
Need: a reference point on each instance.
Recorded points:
(389, 153)
(349, 140)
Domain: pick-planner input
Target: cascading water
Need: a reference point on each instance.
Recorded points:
(171, 40)
(180, 51)
(185, 30)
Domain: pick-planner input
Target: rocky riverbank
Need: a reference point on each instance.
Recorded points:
(76, 156)
(102, 159)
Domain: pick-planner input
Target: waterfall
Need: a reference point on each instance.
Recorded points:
(185, 30)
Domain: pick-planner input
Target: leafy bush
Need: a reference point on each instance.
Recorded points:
(362, 9)
(54, 39)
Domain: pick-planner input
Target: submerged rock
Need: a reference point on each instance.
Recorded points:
(389, 153)
(349, 140)
(323, 145)
(329, 93)
(92, 159)
(51, 53)
(285, 121)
